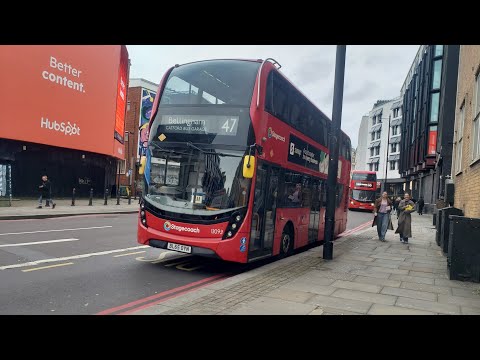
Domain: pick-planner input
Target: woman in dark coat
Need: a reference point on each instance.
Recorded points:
(406, 207)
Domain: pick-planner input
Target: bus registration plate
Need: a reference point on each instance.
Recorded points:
(179, 247)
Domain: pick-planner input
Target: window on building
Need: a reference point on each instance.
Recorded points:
(376, 166)
(371, 151)
(437, 74)
(476, 139)
(121, 166)
(438, 50)
(395, 112)
(373, 135)
(476, 106)
(379, 132)
(476, 120)
(394, 130)
(379, 118)
(377, 150)
(459, 137)
(128, 105)
(374, 120)
(370, 167)
(392, 165)
(434, 107)
(394, 148)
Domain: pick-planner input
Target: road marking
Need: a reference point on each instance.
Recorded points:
(358, 228)
(38, 242)
(156, 296)
(136, 252)
(182, 267)
(45, 231)
(47, 267)
(161, 257)
(181, 262)
(184, 292)
(71, 257)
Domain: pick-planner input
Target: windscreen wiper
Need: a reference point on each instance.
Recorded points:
(171, 151)
(190, 144)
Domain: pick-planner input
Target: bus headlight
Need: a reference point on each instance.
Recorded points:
(372, 204)
(234, 224)
(143, 214)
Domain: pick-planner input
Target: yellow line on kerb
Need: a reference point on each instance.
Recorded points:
(133, 253)
(47, 267)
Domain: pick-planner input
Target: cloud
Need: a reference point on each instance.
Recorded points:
(372, 72)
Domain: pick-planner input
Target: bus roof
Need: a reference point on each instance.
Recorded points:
(281, 74)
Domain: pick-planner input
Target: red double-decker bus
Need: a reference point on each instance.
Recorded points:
(363, 190)
(236, 164)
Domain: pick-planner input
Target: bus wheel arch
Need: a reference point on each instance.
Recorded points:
(287, 240)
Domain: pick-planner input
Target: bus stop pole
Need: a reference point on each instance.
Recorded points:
(334, 150)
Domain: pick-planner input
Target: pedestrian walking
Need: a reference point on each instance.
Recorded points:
(383, 207)
(45, 191)
(396, 203)
(404, 229)
(421, 204)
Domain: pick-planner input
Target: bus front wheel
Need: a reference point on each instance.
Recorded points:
(286, 242)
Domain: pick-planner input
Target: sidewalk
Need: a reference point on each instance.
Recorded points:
(27, 209)
(365, 276)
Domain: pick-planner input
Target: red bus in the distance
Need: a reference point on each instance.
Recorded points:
(237, 163)
(363, 190)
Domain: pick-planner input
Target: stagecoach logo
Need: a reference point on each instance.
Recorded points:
(167, 225)
(273, 134)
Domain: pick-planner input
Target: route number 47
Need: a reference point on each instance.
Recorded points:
(229, 125)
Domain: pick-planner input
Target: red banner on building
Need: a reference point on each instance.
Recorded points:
(432, 142)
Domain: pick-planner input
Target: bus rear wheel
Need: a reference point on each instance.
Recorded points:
(286, 243)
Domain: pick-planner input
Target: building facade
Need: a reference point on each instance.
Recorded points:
(429, 96)
(378, 138)
(466, 162)
(141, 94)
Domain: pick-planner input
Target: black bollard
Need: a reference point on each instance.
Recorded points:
(90, 201)
(73, 197)
(118, 197)
(129, 197)
(106, 197)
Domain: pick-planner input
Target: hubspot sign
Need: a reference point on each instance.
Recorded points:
(70, 96)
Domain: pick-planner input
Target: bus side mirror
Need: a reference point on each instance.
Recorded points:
(248, 166)
(141, 168)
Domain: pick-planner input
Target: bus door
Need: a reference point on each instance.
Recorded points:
(314, 222)
(264, 208)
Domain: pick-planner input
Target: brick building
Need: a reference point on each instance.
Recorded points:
(466, 162)
(141, 94)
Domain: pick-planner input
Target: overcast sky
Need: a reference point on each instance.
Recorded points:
(372, 72)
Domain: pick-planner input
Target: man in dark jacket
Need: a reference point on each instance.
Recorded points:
(421, 204)
(45, 191)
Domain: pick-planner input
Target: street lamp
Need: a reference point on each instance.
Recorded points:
(129, 163)
(334, 150)
(386, 158)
